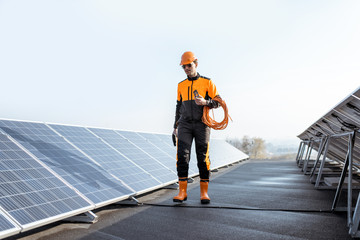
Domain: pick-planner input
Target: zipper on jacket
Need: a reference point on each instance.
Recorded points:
(191, 103)
(189, 93)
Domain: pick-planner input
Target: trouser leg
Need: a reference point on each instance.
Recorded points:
(183, 149)
(202, 139)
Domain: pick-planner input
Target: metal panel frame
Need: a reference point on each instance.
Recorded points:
(338, 130)
(12, 231)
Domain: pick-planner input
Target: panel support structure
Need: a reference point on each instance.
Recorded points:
(298, 152)
(307, 158)
(353, 231)
(347, 165)
(303, 145)
(87, 217)
(131, 201)
(320, 150)
(318, 179)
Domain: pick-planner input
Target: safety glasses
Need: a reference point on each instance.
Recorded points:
(187, 65)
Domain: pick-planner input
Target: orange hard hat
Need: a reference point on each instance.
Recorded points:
(187, 57)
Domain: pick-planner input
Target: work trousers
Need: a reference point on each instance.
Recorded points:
(187, 131)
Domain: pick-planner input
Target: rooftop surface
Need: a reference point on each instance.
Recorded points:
(255, 199)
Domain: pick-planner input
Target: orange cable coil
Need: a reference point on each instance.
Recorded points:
(210, 121)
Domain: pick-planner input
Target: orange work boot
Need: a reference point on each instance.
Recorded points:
(204, 198)
(182, 196)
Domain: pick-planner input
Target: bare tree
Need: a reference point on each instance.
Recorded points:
(258, 148)
(254, 147)
(246, 144)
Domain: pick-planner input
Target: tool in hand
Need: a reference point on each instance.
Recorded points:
(174, 139)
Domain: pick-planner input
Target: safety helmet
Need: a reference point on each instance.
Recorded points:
(187, 57)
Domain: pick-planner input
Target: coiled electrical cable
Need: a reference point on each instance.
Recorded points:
(211, 121)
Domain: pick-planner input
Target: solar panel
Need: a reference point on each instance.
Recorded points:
(222, 153)
(166, 139)
(136, 155)
(342, 118)
(338, 130)
(49, 171)
(29, 192)
(168, 162)
(63, 158)
(158, 141)
(7, 226)
(193, 169)
(107, 157)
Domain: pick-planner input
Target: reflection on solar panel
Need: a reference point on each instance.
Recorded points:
(7, 226)
(335, 136)
(31, 193)
(107, 157)
(63, 158)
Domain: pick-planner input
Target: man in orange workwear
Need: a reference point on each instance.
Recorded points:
(193, 94)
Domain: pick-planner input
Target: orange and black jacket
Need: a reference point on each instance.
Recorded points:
(186, 108)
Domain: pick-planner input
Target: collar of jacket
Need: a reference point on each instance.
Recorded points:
(194, 78)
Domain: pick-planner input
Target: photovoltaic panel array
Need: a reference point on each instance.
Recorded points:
(63, 158)
(30, 193)
(335, 136)
(343, 118)
(50, 172)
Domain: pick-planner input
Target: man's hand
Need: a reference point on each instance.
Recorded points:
(200, 101)
(175, 132)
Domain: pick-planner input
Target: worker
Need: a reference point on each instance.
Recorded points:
(188, 125)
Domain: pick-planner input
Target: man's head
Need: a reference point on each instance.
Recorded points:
(189, 63)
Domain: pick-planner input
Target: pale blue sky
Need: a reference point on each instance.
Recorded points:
(279, 65)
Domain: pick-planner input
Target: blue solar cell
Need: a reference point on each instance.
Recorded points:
(5, 224)
(106, 156)
(7, 227)
(90, 179)
(27, 202)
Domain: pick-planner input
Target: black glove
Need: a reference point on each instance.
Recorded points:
(174, 139)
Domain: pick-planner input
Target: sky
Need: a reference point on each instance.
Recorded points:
(279, 65)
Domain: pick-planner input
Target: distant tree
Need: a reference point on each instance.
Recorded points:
(258, 150)
(254, 147)
(246, 144)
